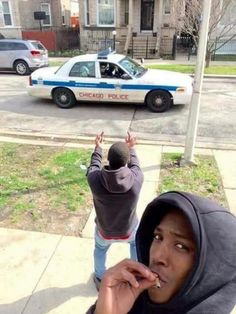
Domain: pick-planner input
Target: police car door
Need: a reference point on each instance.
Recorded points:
(85, 83)
(110, 82)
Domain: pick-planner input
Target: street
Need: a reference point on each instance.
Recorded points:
(20, 112)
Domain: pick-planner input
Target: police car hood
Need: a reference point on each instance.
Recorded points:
(166, 78)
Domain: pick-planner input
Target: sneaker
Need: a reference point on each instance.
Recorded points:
(97, 282)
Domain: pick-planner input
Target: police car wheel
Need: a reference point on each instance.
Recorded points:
(158, 101)
(64, 98)
(21, 67)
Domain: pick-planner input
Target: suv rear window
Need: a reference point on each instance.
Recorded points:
(18, 46)
(5, 46)
(38, 45)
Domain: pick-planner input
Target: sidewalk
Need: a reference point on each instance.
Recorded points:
(46, 273)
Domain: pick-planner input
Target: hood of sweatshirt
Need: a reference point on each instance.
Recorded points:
(211, 285)
(117, 181)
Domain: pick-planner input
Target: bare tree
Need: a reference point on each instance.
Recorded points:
(222, 26)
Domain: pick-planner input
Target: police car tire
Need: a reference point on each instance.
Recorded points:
(21, 67)
(158, 101)
(69, 98)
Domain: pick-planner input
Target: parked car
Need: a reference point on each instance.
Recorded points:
(110, 77)
(22, 56)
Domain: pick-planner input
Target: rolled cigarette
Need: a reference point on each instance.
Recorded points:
(158, 284)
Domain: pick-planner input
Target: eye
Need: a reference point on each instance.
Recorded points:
(157, 237)
(181, 246)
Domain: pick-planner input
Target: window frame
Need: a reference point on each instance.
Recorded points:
(126, 13)
(167, 12)
(86, 13)
(81, 64)
(106, 25)
(10, 13)
(49, 11)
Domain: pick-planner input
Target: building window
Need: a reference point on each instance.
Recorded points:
(126, 12)
(106, 13)
(45, 7)
(6, 13)
(86, 10)
(167, 6)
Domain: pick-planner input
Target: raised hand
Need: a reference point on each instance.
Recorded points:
(99, 139)
(130, 140)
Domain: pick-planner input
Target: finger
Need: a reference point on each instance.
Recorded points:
(130, 278)
(102, 134)
(137, 283)
(145, 284)
(138, 269)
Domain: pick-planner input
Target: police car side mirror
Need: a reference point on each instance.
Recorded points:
(125, 76)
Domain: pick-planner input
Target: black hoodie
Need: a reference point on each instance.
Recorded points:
(211, 286)
(115, 195)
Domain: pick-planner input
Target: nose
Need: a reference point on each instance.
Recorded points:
(160, 254)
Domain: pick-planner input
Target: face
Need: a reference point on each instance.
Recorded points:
(172, 255)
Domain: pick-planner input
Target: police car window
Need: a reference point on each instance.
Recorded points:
(83, 69)
(132, 67)
(110, 70)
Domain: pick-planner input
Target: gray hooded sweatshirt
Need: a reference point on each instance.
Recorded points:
(115, 195)
(210, 288)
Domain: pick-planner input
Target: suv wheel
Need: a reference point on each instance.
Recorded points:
(21, 67)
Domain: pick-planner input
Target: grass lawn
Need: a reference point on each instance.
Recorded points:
(203, 179)
(216, 69)
(183, 68)
(44, 188)
(55, 63)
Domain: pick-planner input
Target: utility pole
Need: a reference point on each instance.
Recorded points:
(197, 86)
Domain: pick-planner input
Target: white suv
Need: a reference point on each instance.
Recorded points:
(22, 56)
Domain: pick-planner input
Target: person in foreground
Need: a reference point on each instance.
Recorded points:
(115, 188)
(186, 247)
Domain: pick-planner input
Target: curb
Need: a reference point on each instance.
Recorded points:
(38, 138)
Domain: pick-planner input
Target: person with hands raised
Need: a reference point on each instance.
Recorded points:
(186, 261)
(115, 188)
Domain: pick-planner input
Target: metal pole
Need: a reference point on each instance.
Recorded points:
(114, 42)
(197, 86)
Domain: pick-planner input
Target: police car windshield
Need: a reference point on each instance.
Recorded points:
(132, 67)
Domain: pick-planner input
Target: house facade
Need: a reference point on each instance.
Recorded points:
(144, 25)
(10, 24)
(16, 15)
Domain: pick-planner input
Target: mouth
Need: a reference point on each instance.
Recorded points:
(161, 281)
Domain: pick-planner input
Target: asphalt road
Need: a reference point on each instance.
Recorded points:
(20, 112)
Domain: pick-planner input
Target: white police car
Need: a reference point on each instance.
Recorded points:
(110, 77)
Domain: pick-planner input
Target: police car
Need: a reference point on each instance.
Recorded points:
(110, 77)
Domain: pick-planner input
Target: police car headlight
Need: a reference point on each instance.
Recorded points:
(181, 90)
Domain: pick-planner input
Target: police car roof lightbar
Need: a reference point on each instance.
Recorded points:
(104, 53)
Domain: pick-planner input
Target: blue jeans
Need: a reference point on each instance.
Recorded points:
(100, 251)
